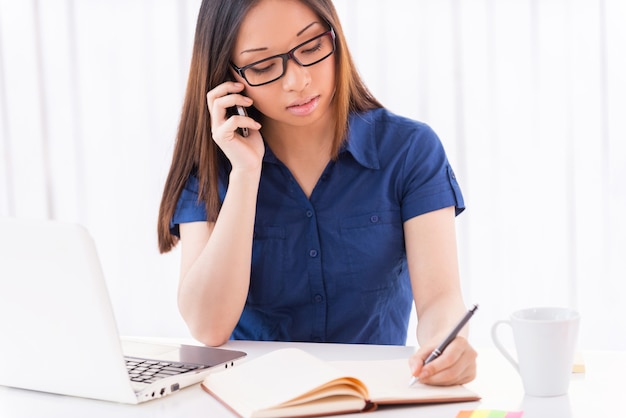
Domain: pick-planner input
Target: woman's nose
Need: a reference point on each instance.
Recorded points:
(296, 76)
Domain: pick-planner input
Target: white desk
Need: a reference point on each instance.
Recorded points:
(596, 393)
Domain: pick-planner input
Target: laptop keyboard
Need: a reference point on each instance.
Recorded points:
(149, 371)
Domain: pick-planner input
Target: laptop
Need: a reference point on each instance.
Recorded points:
(57, 328)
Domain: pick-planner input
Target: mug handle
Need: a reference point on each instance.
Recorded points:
(499, 346)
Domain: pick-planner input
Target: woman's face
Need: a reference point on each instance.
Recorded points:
(303, 95)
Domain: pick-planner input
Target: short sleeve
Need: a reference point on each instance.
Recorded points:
(188, 208)
(429, 181)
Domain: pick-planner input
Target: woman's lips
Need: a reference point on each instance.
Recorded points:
(304, 107)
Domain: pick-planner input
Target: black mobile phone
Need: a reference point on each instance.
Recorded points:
(241, 111)
(237, 110)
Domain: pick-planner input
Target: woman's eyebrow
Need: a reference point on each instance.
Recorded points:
(265, 49)
(305, 29)
(253, 50)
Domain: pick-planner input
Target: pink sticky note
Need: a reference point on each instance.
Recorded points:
(488, 413)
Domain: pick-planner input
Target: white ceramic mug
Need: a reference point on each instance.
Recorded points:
(545, 341)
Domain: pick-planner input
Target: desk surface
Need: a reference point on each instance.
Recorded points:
(595, 393)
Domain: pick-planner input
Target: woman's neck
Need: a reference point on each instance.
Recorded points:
(289, 142)
(305, 150)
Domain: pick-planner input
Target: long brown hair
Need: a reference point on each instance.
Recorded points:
(216, 31)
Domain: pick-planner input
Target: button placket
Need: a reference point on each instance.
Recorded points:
(316, 280)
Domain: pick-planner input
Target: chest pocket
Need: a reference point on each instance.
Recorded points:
(267, 281)
(373, 246)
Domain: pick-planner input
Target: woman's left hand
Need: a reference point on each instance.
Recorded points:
(455, 366)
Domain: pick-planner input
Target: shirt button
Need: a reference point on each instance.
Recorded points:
(309, 213)
(319, 298)
(374, 219)
(313, 253)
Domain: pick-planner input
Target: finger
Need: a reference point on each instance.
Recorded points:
(221, 98)
(447, 359)
(222, 90)
(229, 129)
(456, 366)
(416, 361)
(449, 378)
(243, 122)
(462, 372)
(234, 123)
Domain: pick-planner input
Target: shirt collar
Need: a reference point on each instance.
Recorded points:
(361, 141)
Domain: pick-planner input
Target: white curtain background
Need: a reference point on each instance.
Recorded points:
(528, 97)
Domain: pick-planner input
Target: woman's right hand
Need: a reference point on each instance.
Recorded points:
(244, 153)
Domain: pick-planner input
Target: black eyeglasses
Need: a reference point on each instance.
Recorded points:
(306, 54)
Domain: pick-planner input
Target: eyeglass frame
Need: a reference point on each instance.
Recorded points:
(285, 57)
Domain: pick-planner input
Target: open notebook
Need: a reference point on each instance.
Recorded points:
(57, 327)
(293, 383)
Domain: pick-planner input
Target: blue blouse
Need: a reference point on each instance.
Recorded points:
(333, 267)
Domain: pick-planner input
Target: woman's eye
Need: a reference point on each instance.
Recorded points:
(313, 48)
(260, 69)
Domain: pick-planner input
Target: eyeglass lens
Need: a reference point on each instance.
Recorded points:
(273, 68)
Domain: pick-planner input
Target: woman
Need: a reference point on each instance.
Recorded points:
(307, 228)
